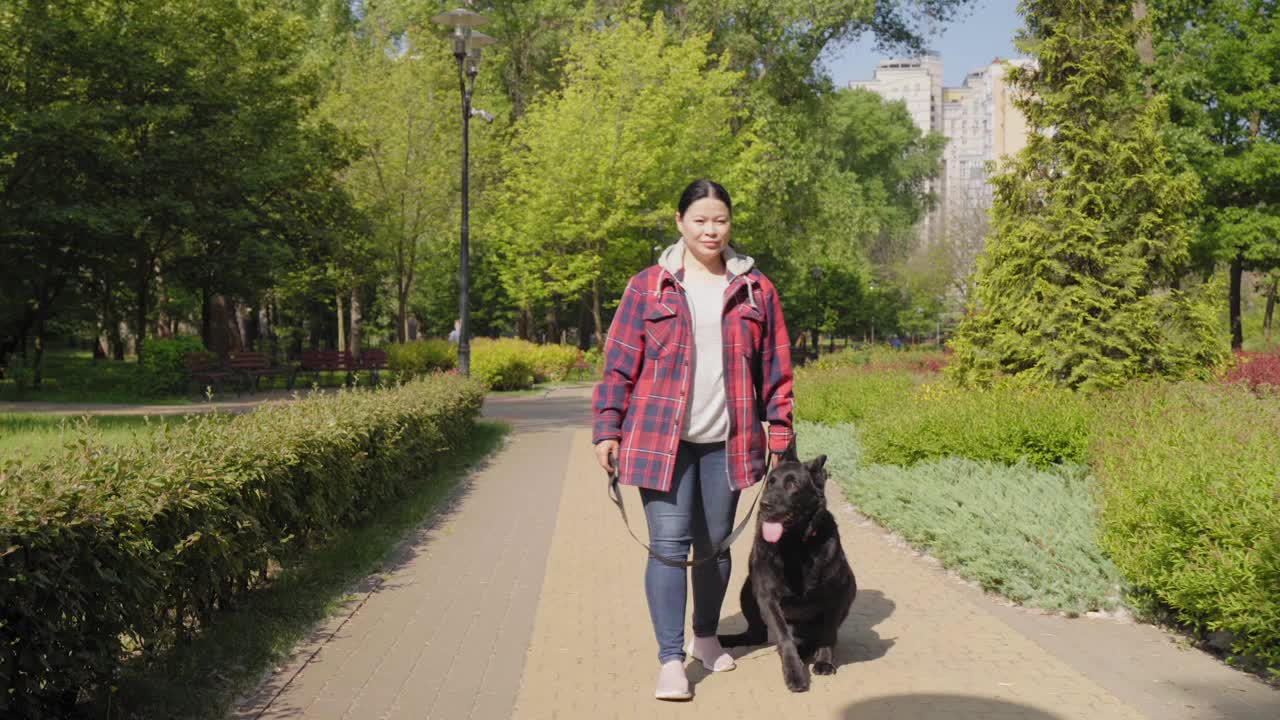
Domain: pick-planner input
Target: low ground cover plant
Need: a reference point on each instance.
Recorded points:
(104, 548)
(1026, 533)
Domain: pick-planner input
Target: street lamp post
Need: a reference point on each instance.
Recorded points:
(466, 48)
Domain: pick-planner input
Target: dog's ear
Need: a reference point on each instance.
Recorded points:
(818, 471)
(790, 453)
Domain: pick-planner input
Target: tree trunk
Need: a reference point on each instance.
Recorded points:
(1271, 306)
(595, 313)
(1237, 275)
(38, 366)
(524, 324)
(402, 321)
(144, 304)
(342, 335)
(240, 325)
(206, 316)
(817, 342)
(252, 328)
(553, 321)
(356, 321)
(1143, 45)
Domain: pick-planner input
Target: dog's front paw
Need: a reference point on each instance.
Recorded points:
(824, 668)
(797, 677)
(742, 639)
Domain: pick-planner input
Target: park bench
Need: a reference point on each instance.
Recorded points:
(373, 361)
(315, 362)
(204, 368)
(252, 366)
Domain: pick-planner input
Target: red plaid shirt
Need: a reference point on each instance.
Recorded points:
(642, 399)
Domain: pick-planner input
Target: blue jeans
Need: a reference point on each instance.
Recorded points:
(696, 513)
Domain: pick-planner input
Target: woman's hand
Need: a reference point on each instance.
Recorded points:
(607, 454)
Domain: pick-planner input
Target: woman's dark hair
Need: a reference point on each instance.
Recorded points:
(699, 189)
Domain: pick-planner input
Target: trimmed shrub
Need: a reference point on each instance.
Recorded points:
(1007, 424)
(504, 364)
(553, 363)
(922, 361)
(138, 545)
(850, 394)
(1191, 504)
(421, 357)
(162, 370)
(1027, 534)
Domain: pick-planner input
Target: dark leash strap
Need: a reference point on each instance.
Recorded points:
(615, 494)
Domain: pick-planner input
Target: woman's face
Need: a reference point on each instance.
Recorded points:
(705, 228)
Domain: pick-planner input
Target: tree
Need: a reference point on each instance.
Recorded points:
(1091, 223)
(398, 95)
(597, 163)
(1220, 63)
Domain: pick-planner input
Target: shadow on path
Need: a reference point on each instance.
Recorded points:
(929, 706)
(856, 642)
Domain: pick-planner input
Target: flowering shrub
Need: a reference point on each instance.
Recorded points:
(1254, 369)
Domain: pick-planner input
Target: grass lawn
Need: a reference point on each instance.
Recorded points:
(77, 377)
(29, 435)
(204, 678)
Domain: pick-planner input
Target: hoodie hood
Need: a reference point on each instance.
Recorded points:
(672, 260)
(738, 265)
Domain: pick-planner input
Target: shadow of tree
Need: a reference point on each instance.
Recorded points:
(931, 706)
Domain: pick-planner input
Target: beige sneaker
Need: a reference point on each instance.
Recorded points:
(721, 661)
(672, 682)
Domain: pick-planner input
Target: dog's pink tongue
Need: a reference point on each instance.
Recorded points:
(772, 531)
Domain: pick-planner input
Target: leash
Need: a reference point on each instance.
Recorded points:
(615, 494)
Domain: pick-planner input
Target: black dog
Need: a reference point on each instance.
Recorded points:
(799, 585)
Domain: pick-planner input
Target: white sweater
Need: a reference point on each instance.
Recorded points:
(707, 418)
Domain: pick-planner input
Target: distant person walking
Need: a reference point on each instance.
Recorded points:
(696, 359)
(455, 334)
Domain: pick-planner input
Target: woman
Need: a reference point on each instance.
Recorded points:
(697, 358)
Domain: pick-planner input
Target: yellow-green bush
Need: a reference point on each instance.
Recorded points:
(553, 363)
(1191, 504)
(504, 364)
(146, 541)
(421, 357)
(1006, 423)
(849, 393)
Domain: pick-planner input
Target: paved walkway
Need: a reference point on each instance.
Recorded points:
(525, 600)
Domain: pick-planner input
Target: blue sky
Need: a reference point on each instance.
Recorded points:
(971, 42)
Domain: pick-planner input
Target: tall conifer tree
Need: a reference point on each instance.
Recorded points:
(1091, 222)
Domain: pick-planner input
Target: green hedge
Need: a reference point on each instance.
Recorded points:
(109, 550)
(421, 357)
(850, 394)
(162, 370)
(1191, 504)
(504, 364)
(553, 363)
(904, 420)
